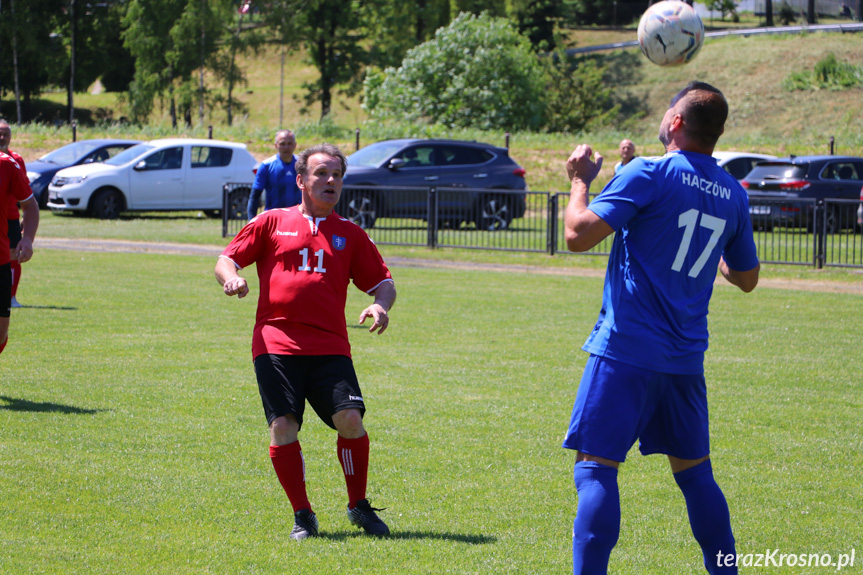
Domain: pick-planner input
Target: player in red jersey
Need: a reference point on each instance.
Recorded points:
(14, 229)
(14, 187)
(306, 256)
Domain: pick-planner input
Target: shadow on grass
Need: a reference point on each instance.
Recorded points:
(410, 535)
(54, 307)
(13, 404)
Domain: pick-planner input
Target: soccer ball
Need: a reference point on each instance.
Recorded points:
(670, 33)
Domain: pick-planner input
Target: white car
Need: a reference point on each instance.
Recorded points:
(739, 164)
(167, 174)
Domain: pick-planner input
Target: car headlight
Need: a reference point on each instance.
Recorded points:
(67, 180)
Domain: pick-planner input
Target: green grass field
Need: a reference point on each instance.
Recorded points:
(132, 438)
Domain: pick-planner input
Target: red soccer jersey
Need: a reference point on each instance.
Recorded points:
(12, 212)
(13, 187)
(304, 267)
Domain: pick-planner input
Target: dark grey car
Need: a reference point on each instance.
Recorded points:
(784, 191)
(392, 178)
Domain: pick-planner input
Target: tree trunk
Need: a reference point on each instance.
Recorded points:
(15, 64)
(231, 69)
(70, 94)
(203, 55)
(810, 13)
(324, 62)
(768, 12)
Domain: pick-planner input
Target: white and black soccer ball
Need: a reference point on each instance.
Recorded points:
(670, 33)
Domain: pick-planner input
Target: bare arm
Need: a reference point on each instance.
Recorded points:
(29, 225)
(229, 279)
(746, 281)
(582, 228)
(385, 297)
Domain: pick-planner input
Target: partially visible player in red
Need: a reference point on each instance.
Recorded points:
(14, 187)
(306, 256)
(13, 215)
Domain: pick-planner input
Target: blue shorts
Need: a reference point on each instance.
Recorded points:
(618, 404)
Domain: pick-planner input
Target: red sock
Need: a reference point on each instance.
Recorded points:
(3, 345)
(354, 457)
(16, 276)
(291, 471)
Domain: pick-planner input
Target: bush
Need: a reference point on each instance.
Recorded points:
(828, 74)
(477, 72)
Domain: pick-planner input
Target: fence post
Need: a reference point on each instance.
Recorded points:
(819, 227)
(225, 211)
(358, 139)
(551, 224)
(74, 130)
(832, 141)
(432, 218)
(210, 132)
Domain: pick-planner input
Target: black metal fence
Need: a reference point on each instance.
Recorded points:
(819, 234)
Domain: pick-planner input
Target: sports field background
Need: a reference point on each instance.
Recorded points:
(132, 438)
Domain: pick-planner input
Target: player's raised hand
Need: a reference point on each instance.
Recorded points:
(579, 165)
(236, 286)
(376, 311)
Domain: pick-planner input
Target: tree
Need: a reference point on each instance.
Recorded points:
(476, 72)
(578, 97)
(164, 37)
(31, 54)
(538, 20)
(768, 12)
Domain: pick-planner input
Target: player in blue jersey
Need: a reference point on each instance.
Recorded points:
(677, 219)
(277, 176)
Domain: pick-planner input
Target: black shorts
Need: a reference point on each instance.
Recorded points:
(14, 233)
(328, 382)
(5, 290)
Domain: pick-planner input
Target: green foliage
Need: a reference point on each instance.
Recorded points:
(787, 14)
(603, 12)
(828, 74)
(477, 72)
(578, 99)
(335, 47)
(724, 7)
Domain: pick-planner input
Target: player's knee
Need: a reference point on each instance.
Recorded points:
(349, 423)
(284, 430)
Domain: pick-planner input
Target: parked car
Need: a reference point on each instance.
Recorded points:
(168, 174)
(407, 168)
(739, 164)
(40, 172)
(804, 178)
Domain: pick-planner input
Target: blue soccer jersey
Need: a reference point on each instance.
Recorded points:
(280, 182)
(674, 217)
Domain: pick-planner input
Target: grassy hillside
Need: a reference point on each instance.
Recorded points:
(764, 116)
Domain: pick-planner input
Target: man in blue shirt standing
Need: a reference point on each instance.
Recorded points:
(677, 219)
(277, 176)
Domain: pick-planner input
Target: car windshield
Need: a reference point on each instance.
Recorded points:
(776, 171)
(70, 154)
(374, 155)
(129, 154)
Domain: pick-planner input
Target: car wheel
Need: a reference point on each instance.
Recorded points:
(238, 202)
(107, 205)
(361, 209)
(493, 214)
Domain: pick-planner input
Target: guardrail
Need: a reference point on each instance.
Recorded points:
(821, 233)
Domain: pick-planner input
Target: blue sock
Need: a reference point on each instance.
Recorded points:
(708, 516)
(597, 522)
